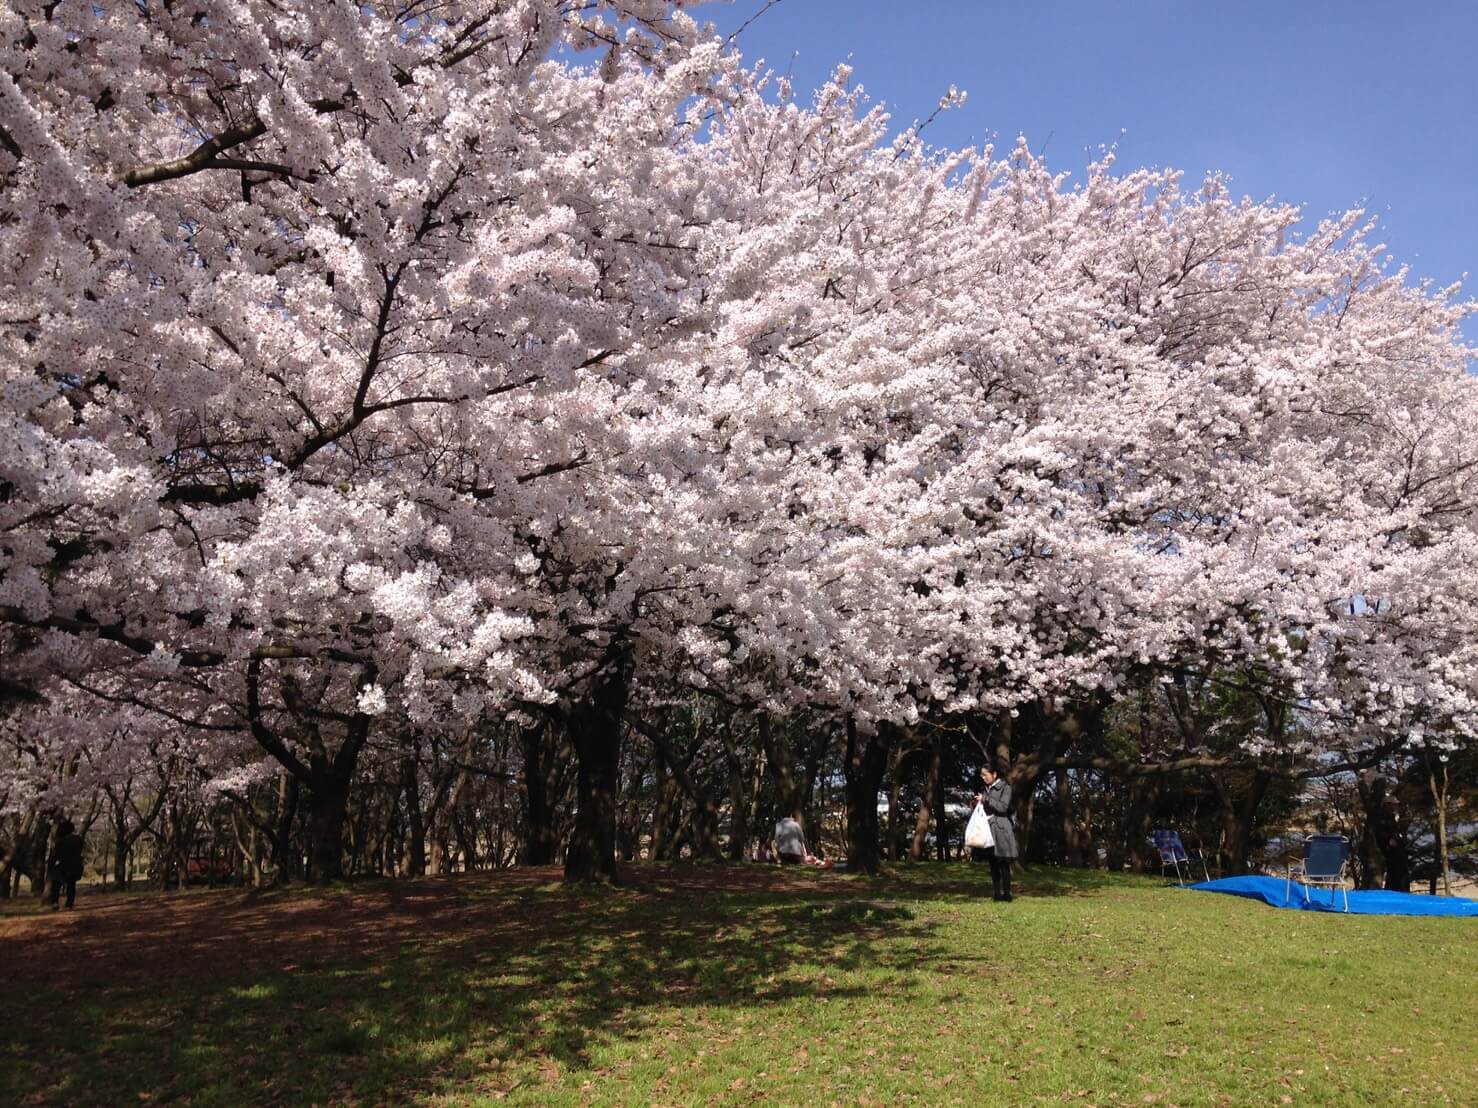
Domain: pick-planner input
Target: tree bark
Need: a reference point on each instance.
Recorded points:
(1238, 819)
(595, 728)
(865, 767)
(738, 810)
(892, 841)
(46, 836)
(121, 845)
(1072, 847)
(287, 810)
(1439, 804)
(245, 840)
(1385, 827)
(931, 796)
(448, 804)
(949, 765)
(327, 807)
(790, 791)
(410, 785)
(466, 841)
(540, 842)
(12, 855)
(629, 826)
(327, 775)
(1054, 731)
(759, 817)
(1124, 849)
(704, 819)
(664, 811)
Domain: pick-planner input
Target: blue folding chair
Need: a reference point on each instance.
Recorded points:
(1173, 853)
(1325, 861)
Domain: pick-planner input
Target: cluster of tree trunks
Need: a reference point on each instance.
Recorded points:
(596, 780)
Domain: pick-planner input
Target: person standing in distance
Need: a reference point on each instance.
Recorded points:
(66, 864)
(997, 801)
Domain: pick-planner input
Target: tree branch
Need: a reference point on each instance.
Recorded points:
(202, 157)
(265, 736)
(214, 495)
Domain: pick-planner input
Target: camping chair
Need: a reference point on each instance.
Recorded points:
(1173, 853)
(1324, 862)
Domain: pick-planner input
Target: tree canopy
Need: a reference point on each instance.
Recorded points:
(381, 377)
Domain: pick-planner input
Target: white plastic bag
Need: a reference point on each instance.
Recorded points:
(977, 831)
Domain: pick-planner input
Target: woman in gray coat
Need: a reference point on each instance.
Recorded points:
(997, 801)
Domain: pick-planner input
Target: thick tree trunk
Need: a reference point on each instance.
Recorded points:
(738, 814)
(121, 844)
(327, 811)
(1246, 822)
(820, 748)
(13, 854)
(359, 836)
(705, 830)
(410, 786)
(122, 840)
(1369, 866)
(865, 767)
(1050, 731)
(397, 850)
(595, 732)
(1385, 828)
(1087, 841)
(327, 775)
(540, 842)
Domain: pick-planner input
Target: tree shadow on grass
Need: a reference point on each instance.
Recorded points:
(484, 984)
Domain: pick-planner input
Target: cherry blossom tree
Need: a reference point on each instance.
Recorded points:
(304, 301)
(384, 373)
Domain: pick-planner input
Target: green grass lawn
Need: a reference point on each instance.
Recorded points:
(734, 985)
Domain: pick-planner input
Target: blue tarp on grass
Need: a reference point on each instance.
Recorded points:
(1365, 902)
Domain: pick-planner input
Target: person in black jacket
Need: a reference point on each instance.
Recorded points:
(66, 864)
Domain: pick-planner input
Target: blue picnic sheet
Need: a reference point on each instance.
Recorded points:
(1365, 902)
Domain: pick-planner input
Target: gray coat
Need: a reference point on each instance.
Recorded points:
(997, 801)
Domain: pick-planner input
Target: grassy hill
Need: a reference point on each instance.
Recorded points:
(733, 985)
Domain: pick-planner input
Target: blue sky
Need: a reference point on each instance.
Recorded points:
(1331, 106)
